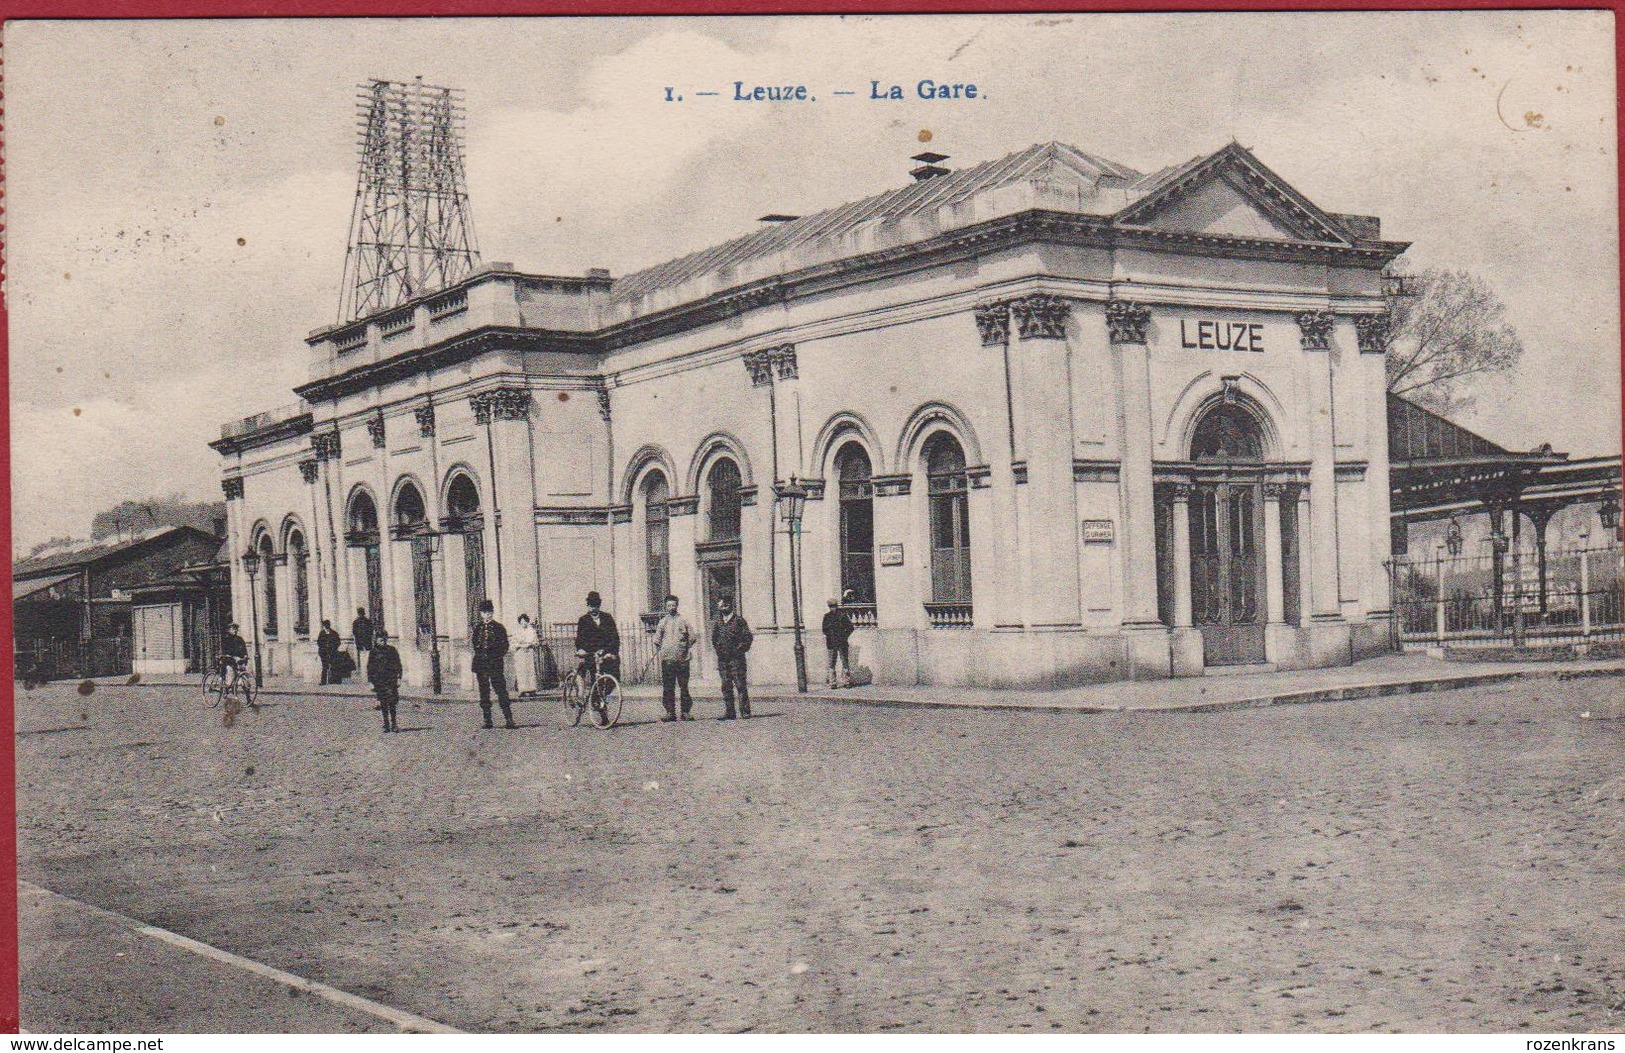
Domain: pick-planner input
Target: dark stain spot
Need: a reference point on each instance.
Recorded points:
(564, 396)
(219, 122)
(135, 678)
(86, 686)
(77, 411)
(242, 241)
(248, 770)
(925, 135)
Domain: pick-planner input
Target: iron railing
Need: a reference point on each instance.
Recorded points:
(1463, 599)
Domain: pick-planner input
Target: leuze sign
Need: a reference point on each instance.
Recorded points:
(1203, 335)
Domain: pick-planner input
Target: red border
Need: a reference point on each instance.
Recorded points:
(17, 9)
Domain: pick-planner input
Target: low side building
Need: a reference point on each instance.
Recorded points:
(1059, 421)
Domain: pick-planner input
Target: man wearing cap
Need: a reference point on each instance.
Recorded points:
(837, 631)
(674, 639)
(490, 645)
(384, 674)
(730, 639)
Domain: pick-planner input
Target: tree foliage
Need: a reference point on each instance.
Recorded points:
(130, 516)
(1448, 329)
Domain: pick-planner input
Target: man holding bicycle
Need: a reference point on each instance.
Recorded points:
(596, 634)
(233, 655)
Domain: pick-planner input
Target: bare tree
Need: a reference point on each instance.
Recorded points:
(1447, 327)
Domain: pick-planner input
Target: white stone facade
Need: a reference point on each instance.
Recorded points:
(1155, 403)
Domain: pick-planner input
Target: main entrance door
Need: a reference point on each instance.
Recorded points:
(1227, 571)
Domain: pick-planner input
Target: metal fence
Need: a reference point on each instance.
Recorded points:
(40, 660)
(557, 654)
(1466, 599)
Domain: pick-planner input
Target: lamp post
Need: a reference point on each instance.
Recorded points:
(1452, 539)
(1608, 512)
(435, 676)
(794, 496)
(251, 564)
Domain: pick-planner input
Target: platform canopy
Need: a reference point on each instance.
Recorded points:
(1437, 468)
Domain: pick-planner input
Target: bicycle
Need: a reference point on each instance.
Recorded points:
(231, 693)
(602, 700)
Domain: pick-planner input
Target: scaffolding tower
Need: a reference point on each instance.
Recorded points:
(411, 231)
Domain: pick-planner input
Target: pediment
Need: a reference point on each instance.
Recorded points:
(1231, 194)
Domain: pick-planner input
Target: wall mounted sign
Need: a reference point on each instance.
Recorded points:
(1098, 532)
(1221, 336)
(891, 555)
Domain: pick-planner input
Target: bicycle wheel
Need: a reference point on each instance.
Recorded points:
(212, 682)
(250, 692)
(606, 701)
(570, 695)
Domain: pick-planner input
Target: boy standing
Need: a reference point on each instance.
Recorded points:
(384, 674)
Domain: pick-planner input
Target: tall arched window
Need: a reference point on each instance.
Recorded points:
(1227, 433)
(412, 523)
(268, 561)
(299, 561)
(857, 496)
(463, 513)
(723, 483)
(362, 532)
(948, 494)
(656, 538)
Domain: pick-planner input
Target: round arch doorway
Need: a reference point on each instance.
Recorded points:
(1227, 536)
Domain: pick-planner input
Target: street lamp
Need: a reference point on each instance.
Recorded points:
(1608, 512)
(251, 564)
(794, 496)
(1452, 539)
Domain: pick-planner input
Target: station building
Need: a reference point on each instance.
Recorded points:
(1060, 421)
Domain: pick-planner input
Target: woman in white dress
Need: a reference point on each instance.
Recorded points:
(525, 646)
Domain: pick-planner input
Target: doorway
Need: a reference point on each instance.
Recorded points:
(1227, 571)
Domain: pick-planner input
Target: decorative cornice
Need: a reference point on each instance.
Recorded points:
(815, 489)
(620, 514)
(784, 361)
(1085, 471)
(1276, 491)
(747, 496)
(1371, 331)
(425, 416)
(1350, 470)
(1315, 328)
(360, 538)
(277, 559)
(1127, 321)
(308, 469)
(500, 404)
(980, 476)
(471, 523)
(1041, 316)
(576, 515)
(232, 487)
(993, 323)
(760, 366)
(326, 445)
(375, 429)
(1181, 492)
(893, 485)
(682, 506)
(1018, 469)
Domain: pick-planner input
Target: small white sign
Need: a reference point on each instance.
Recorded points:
(891, 555)
(1098, 531)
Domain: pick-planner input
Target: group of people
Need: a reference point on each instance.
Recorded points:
(597, 650)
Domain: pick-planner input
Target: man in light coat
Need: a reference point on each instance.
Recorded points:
(674, 639)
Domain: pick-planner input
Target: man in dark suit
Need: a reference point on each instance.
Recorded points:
(362, 630)
(595, 632)
(730, 639)
(327, 649)
(384, 674)
(490, 644)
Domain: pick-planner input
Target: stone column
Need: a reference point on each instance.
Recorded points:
(1127, 323)
(1182, 555)
(1041, 360)
(1007, 605)
(1274, 571)
(1372, 334)
(232, 488)
(504, 414)
(1305, 589)
(1316, 329)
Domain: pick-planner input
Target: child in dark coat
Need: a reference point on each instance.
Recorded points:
(384, 674)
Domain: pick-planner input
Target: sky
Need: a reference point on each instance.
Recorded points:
(177, 222)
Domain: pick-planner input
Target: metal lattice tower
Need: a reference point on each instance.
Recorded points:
(411, 231)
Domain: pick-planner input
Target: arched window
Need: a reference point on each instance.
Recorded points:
(411, 523)
(723, 484)
(299, 561)
(948, 495)
(857, 496)
(268, 561)
(656, 538)
(363, 533)
(463, 513)
(1227, 433)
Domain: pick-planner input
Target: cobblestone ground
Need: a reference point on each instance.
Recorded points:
(1437, 862)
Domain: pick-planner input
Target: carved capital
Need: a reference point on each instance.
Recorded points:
(326, 445)
(500, 404)
(232, 488)
(1316, 330)
(1041, 316)
(760, 366)
(425, 416)
(993, 323)
(1181, 492)
(1371, 330)
(1127, 321)
(375, 430)
(603, 404)
(783, 358)
(307, 469)
(1278, 491)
